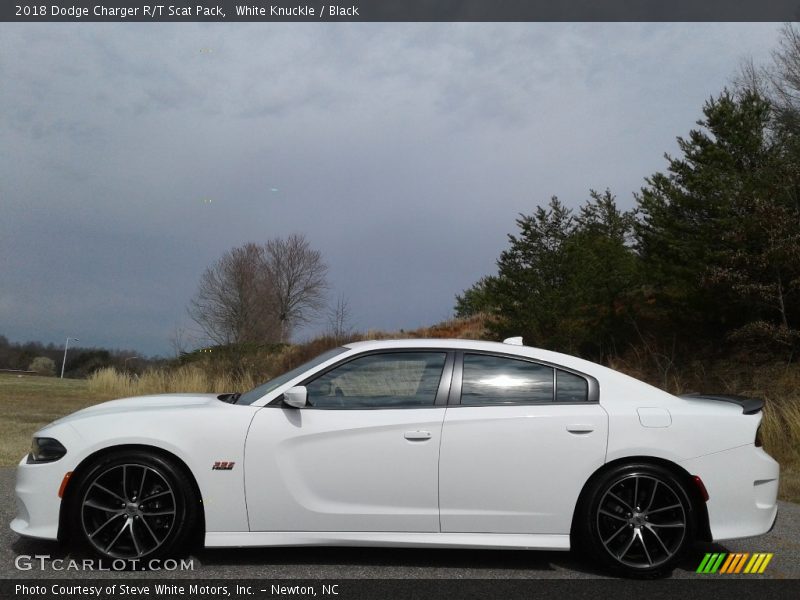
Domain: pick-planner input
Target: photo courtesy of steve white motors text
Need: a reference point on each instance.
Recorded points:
(171, 589)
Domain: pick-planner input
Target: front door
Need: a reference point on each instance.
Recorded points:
(362, 456)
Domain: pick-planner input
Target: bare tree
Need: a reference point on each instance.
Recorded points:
(297, 277)
(180, 340)
(785, 74)
(753, 78)
(779, 80)
(233, 303)
(259, 293)
(339, 326)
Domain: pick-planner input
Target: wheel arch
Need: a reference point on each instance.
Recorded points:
(85, 464)
(702, 526)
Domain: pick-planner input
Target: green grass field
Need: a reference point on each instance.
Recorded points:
(28, 403)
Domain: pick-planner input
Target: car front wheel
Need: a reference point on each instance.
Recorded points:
(637, 520)
(133, 506)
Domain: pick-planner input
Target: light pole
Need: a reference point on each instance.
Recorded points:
(126, 361)
(64, 362)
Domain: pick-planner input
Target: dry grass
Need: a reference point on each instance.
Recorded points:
(470, 328)
(111, 382)
(780, 428)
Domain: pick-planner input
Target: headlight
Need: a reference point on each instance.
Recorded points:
(45, 450)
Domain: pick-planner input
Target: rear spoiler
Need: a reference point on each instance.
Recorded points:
(750, 406)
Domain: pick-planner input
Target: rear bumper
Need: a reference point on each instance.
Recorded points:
(742, 486)
(38, 504)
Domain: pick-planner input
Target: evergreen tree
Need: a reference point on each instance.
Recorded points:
(718, 233)
(476, 300)
(565, 282)
(532, 279)
(605, 277)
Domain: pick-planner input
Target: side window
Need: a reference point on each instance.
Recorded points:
(500, 380)
(570, 387)
(391, 380)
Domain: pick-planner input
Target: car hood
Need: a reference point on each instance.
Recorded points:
(156, 403)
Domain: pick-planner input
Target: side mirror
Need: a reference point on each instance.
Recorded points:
(296, 396)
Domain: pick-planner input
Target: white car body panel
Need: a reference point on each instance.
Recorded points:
(742, 486)
(343, 470)
(388, 539)
(506, 476)
(517, 469)
(197, 429)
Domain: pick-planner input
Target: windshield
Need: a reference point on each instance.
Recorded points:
(272, 384)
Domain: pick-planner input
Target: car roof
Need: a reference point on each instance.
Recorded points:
(462, 344)
(432, 343)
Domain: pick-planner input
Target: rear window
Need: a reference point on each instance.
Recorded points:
(571, 387)
(488, 380)
(500, 380)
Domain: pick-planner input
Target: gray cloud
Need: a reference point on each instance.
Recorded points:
(404, 152)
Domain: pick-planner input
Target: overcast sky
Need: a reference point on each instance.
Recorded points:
(134, 155)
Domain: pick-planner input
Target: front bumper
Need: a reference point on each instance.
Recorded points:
(742, 486)
(38, 504)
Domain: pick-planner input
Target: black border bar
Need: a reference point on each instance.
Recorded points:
(400, 10)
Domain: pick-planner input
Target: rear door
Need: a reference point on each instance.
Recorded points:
(520, 439)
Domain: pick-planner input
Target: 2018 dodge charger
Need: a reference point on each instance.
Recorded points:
(438, 443)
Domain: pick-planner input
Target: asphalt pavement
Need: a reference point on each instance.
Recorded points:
(383, 563)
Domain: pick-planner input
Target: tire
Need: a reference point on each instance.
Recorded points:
(132, 505)
(636, 520)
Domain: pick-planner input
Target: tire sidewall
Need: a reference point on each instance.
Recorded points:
(185, 503)
(590, 537)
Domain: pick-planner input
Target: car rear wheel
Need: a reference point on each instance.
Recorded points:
(637, 520)
(133, 506)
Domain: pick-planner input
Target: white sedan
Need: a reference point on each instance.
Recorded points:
(438, 443)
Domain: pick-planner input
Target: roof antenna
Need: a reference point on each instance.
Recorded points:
(514, 341)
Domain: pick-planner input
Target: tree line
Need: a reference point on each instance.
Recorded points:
(46, 359)
(708, 260)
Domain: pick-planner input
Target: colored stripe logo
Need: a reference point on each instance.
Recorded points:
(735, 563)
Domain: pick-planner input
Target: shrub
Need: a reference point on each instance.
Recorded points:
(43, 366)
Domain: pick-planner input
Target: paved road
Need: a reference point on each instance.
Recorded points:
(340, 563)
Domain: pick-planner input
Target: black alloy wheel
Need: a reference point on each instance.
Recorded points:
(133, 506)
(637, 520)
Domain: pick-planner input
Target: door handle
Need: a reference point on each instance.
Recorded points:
(580, 428)
(417, 435)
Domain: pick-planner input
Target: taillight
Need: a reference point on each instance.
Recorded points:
(758, 437)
